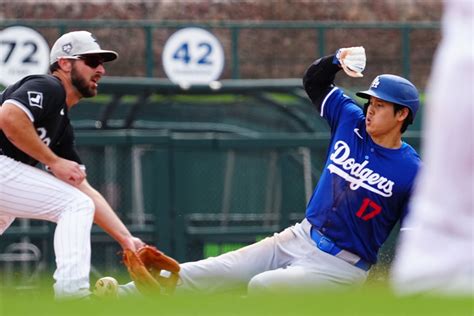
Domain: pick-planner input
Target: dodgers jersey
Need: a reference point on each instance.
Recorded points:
(43, 99)
(364, 188)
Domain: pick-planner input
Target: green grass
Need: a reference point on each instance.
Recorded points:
(372, 300)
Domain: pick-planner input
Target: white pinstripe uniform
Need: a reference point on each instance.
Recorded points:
(27, 192)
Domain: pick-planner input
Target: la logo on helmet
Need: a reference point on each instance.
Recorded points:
(375, 83)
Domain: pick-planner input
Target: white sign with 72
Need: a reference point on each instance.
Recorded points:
(23, 51)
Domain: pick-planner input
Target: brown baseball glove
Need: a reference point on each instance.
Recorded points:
(151, 270)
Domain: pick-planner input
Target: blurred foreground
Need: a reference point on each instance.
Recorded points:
(374, 299)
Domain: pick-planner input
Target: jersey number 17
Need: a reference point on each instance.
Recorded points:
(368, 209)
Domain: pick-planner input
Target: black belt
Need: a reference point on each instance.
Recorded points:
(327, 245)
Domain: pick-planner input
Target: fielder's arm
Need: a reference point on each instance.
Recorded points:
(108, 220)
(21, 132)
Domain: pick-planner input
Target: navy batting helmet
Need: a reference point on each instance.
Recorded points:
(393, 89)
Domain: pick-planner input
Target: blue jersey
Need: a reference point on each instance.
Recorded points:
(364, 188)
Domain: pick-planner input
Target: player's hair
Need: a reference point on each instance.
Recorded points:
(396, 108)
(408, 120)
(53, 67)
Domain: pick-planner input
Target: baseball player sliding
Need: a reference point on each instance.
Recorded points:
(34, 127)
(362, 193)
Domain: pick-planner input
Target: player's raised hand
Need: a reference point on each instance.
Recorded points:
(68, 171)
(352, 60)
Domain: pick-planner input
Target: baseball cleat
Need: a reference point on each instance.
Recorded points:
(106, 287)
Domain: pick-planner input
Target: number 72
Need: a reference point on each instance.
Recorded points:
(28, 57)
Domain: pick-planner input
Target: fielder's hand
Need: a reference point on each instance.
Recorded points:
(352, 60)
(132, 243)
(152, 271)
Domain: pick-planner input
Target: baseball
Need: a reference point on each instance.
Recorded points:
(106, 287)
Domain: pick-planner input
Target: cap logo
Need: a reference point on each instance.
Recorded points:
(375, 83)
(67, 48)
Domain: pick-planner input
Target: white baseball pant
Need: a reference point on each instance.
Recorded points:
(27, 192)
(288, 260)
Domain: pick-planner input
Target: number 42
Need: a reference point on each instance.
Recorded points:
(183, 53)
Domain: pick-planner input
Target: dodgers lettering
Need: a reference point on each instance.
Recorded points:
(357, 173)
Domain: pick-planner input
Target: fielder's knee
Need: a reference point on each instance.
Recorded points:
(83, 204)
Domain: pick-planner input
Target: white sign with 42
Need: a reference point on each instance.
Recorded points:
(193, 56)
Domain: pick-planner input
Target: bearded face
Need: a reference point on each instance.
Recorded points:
(86, 86)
